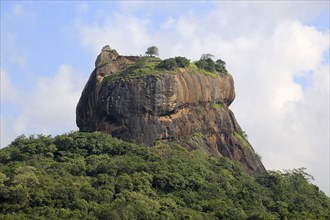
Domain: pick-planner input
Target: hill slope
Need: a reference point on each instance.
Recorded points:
(95, 176)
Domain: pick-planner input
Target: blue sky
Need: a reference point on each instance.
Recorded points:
(277, 52)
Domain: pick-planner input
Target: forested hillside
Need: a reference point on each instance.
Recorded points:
(94, 176)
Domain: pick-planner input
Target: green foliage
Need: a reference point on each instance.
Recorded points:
(95, 176)
(3, 178)
(221, 62)
(220, 68)
(193, 69)
(148, 65)
(242, 138)
(217, 105)
(168, 64)
(141, 62)
(173, 63)
(206, 63)
(154, 66)
(182, 62)
(152, 51)
(144, 66)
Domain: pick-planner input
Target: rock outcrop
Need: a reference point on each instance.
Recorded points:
(182, 107)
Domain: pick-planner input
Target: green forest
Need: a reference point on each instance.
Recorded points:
(95, 176)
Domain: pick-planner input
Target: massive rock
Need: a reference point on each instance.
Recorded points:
(182, 107)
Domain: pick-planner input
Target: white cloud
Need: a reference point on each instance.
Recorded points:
(308, 126)
(14, 53)
(9, 95)
(126, 33)
(82, 8)
(249, 18)
(7, 133)
(21, 11)
(170, 22)
(51, 105)
(287, 125)
(8, 90)
(49, 108)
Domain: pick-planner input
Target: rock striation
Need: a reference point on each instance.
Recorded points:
(183, 107)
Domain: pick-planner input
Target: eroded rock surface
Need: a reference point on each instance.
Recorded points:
(186, 108)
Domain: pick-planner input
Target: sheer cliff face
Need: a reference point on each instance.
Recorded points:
(187, 108)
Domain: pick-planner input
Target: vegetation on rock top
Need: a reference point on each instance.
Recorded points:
(94, 176)
(151, 65)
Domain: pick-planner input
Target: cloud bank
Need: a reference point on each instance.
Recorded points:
(49, 107)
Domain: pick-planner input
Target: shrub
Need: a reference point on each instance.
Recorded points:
(220, 66)
(201, 64)
(206, 64)
(141, 62)
(215, 105)
(168, 64)
(182, 62)
(221, 62)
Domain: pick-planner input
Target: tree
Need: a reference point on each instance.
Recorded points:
(96, 176)
(206, 56)
(3, 178)
(152, 51)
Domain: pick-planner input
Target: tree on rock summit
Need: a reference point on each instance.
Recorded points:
(152, 51)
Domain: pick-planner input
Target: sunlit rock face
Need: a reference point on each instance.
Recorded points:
(181, 107)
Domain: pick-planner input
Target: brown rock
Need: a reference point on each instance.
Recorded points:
(187, 108)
